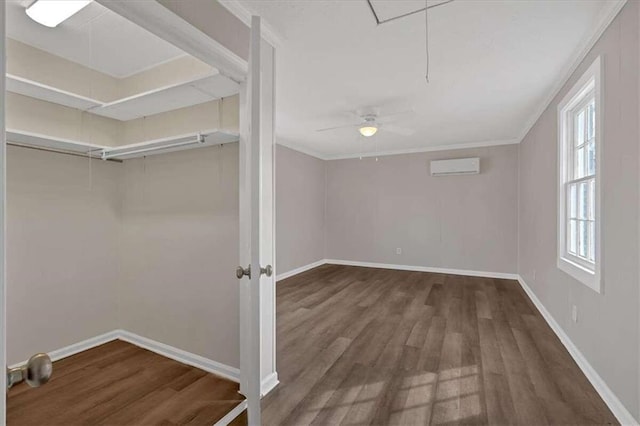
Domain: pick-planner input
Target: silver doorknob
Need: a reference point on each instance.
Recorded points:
(268, 271)
(36, 372)
(241, 272)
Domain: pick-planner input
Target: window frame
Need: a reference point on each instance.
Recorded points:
(582, 270)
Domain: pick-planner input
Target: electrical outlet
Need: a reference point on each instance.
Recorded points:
(398, 250)
(574, 313)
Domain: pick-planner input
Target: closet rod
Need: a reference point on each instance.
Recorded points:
(61, 151)
(119, 152)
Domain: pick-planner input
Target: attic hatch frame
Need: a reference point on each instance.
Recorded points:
(404, 15)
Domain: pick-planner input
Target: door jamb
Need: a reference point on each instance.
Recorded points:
(3, 206)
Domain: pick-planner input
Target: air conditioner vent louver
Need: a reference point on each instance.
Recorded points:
(458, 166)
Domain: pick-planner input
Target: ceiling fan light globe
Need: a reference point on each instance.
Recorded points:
(368, 131)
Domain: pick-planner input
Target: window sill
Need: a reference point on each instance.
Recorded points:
(585, 276)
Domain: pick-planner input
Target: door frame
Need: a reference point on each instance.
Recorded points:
(3, 204)
(185, 25)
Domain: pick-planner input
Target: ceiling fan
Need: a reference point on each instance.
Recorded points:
(369, 123)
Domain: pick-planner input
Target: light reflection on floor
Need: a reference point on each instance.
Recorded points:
(422, 398)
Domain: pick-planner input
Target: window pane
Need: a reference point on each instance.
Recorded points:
(591, 157)
(573, 200)
(592, 239)
(579, 128)
(592, 199)
(583, 245)
(583, 200)
(573, 237)
(579, 169)
(591, 121)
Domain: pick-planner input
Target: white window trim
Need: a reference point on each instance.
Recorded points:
(590, 80)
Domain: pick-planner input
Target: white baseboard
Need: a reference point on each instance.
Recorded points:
(607, 395)
(300, 270)
(269, 383)
(231, 415)
(165, 350)
(180, 355)
(465, 272)
(469, 273)
(75, 348)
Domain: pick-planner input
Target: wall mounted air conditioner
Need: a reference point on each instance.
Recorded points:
(458, 166)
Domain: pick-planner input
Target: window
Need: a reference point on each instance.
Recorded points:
(579, 145)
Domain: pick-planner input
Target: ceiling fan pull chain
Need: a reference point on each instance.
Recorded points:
(426, 27)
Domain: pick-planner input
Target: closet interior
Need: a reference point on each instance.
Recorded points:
(122, 223)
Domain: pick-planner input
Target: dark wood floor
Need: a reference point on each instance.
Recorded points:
(373, 346)
(121, 384)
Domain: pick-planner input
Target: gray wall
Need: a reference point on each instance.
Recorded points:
(461, 222)
(62, 250)
(180, 249)
(300, 200)
(607, 328)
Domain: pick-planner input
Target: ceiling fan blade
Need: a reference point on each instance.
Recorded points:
(402, 131)
(408, 112)
(346, 126)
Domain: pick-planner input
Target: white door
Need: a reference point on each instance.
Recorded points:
(257, 290)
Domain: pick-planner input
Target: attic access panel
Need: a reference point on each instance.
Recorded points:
(386, 11)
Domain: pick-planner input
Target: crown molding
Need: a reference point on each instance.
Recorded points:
(244, 13)
(466, 145)
(451, 147)
(302, 150)
(610, 11)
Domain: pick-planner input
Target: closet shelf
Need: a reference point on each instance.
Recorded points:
(124, 152)
(169, 98)
(193, 92)
(35, 140)
(33, 89)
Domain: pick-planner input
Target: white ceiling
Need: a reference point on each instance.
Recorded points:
(494, 65)
(94, 37)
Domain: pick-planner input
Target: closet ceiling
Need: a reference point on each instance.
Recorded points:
(493, 66)
(100, 85)
(94, 37)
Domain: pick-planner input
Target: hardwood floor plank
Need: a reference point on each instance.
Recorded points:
(343, 398)
(430, 356)
(420, 330)
(497, 395)
(393, 398)
(316, 400)
(539, 372)
(362, 411)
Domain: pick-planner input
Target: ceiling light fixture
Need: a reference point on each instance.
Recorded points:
(368, 130)
(51, 13)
